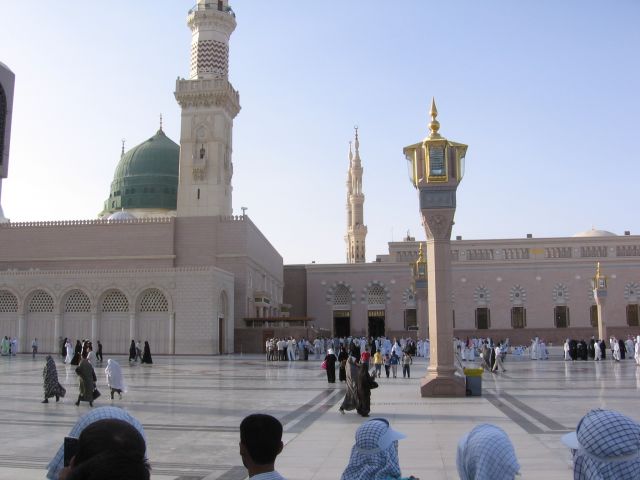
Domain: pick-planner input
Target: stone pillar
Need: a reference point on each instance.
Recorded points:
(57, 328)
(440, 379)
(22, 331)
(602, 326)
(133, 327)
(172, 333)
(94, 328)
(422, 311)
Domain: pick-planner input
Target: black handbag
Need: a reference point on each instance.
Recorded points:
(96, 393)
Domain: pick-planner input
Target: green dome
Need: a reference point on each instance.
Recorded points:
(146, 177)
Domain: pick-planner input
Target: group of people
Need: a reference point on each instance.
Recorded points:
(87, 379)
(136, 353)
(83, 348)
(605, 445)
(8, 346)
(596, 349)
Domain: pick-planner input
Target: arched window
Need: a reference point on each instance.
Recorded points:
(8, 302)
(77, 301)
(41, 302)
(115, 301)
(153, 300)
(376, 295)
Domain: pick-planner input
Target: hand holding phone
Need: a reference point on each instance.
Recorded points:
(70, 449)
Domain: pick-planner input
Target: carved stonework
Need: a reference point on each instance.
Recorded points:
(438, 226)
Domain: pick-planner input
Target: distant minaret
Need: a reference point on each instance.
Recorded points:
(209, 104)
(356, 230)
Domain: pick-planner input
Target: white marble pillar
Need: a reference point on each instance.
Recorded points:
(22, 331)
(172, 333)
(133, 327)
(94, 328)
(57, 328)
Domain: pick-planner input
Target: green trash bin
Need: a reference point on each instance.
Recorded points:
(474, 381)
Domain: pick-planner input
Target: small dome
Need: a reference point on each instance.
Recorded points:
(120, 216)
(595, 233)
(146, 177)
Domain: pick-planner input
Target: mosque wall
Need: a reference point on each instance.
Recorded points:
(87, 244)
(176, 310)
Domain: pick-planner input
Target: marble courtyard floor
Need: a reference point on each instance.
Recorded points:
(191, 408)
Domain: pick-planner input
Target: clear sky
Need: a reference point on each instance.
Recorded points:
(545, 93)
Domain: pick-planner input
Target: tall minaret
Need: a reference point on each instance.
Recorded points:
(356, 230)
(209, 104)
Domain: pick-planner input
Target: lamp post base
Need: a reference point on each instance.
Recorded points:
(439, 385)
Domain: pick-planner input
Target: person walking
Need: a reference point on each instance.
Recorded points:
(394, 361)
(387, 364)
(77, 352)
(146, 357)
(406, 364)
(88, 379)
(139, 351)
(330, 363)
(34, 348)
(363, 388)
(52, 387)
(498, 366)
(115, 379)
(99, 352)
(377, 363)
(132, 351)
(343, 356)
(350, 401)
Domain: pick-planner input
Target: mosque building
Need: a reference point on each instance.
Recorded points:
(168, 262)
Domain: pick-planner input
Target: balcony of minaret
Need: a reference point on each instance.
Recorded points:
(207, 92)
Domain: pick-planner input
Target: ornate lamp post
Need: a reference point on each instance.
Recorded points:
(599, 286)
(436, 167)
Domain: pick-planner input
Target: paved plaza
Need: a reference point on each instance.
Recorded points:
(191, 408)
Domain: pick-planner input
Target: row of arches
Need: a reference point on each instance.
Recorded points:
(113, 317)
(77, 300)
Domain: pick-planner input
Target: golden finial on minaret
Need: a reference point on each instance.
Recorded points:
(434, 125)
(598, 270)
(350, 152)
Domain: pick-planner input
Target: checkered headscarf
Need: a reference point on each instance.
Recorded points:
(368, 461)
(101, 413)
(486, 452)
(609, 447)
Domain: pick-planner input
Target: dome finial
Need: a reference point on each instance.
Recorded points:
(122, 152)
(434, 125)
(160, 122)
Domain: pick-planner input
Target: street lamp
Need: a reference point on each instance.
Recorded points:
(599, 287)
(436, 167)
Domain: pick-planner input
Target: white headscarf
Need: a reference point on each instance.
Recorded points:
(486, 453)
(115, 378)
(375, 453)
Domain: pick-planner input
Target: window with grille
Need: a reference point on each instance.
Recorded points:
(77, 301)
(593, 316)
(518, 317)
(342, 296)
(376, 295)
(561, 316)
(41, 302)
(483, 318)
(8, 302)
(154, 301)
(410, 319)
(632, 315)
(115, 301)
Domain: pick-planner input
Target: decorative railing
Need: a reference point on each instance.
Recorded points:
(215, 5)
(84, 223)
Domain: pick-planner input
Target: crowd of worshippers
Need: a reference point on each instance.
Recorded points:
(8, 346)
(596, 349)
(109, 443)
(292, 349)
